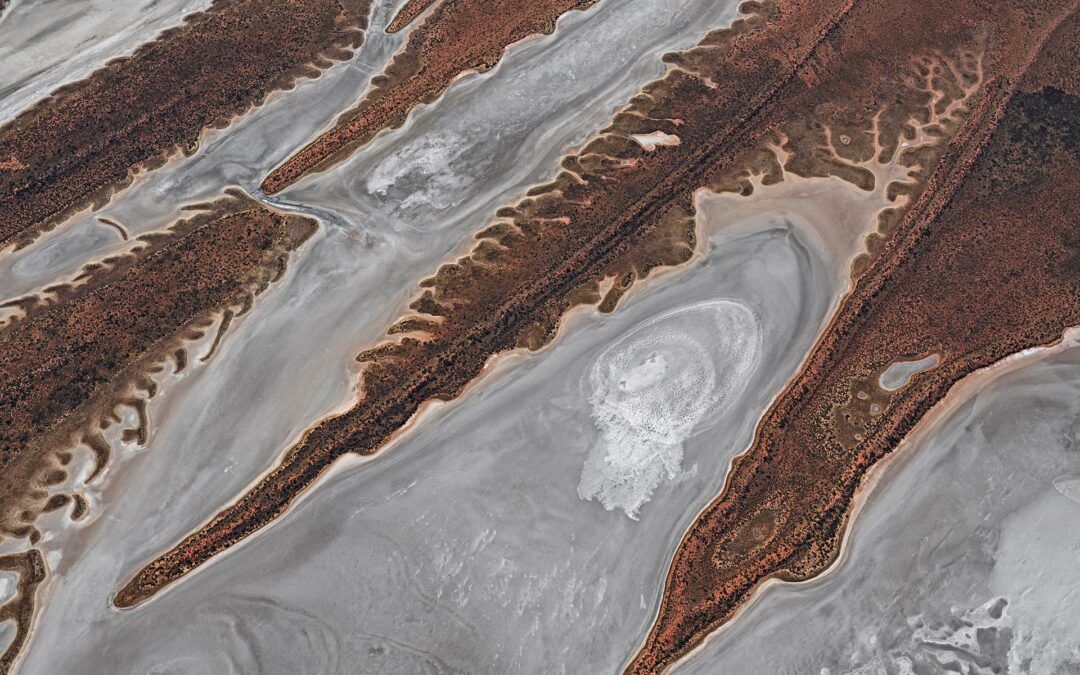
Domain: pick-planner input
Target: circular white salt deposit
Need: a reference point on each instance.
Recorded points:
(664, 380)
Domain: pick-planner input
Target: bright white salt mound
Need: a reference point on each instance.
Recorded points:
(1068, 486)
(656, 386)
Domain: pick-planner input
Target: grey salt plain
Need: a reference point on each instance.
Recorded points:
(286, 363)
(415, 193)
(962, 561)
(466, 547)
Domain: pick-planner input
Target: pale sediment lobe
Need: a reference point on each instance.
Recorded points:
(666, 379)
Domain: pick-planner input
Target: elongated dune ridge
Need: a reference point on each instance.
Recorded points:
(75, 354)
(89, 139)
(984, 264)
(952, 128)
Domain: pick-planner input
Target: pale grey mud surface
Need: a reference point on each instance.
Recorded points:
(48, 43)
(290, 360)
(415, 193)
(526, 528)
(962, 561)
(899, 373)
(466, 547)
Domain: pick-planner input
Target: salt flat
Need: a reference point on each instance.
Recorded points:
(466, 547)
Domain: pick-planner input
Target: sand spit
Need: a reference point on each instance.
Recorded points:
(926, 429)
(615, 211)
(408, 13)
(76, 353)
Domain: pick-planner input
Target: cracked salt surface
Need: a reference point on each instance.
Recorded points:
(656, 386)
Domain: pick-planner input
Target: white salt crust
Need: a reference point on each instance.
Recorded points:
(663, 381)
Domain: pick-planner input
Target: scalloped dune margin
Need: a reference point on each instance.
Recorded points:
(74, 354)
(984, 263)
(453, 39)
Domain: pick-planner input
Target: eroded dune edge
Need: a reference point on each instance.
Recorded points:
(985, 263)
(974, 260)
(456, 38)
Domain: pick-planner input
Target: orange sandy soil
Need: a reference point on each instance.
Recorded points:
(86, 140)
(408, 14)
(73, 354)
(813, 88)
(458, 36)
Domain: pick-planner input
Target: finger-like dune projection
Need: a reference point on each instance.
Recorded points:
(19, 609)
(88, 139)
(814, 87)
(661, 382)
(74, 353)
(456, 37)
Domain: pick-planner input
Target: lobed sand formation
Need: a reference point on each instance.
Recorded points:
(30, 568)
(618, 210)
(455, 38)
(76, 352)
(976, 259)
(89, 139)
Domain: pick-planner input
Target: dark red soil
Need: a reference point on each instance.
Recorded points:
(794, 70)
(985, 264)
(76, 353)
